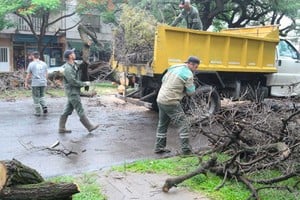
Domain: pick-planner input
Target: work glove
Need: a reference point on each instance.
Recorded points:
(87, 83)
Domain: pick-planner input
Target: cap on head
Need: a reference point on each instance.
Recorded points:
(193, 59)
(35, 54)
(68, 52)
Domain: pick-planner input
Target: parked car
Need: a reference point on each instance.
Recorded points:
(59, 69)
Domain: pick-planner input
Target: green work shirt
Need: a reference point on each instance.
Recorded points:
(72, 79)
(176, 83)
(192, 18)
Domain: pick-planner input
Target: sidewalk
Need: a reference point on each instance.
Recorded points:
(128, 186)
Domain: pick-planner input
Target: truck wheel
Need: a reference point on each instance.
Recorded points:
(154, 106)
(151, 99)
(204, 102)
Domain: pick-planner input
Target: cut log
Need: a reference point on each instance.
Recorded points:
(90, 93)
(3, 175)
(40, 191)
(13, 172)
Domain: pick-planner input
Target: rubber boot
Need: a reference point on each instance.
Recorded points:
(37, 109)
(45, 109)
(160, 146)
(86, 123)
(185, 146)
(62, 125)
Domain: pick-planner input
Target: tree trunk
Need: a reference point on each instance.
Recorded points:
(14, 172)
(40, 191)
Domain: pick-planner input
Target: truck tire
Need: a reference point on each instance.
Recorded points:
(154, 106)
(205, 102)
(151, 100)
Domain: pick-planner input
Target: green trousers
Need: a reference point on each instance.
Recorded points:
(74, 103)
(38, 96)
(175, 113)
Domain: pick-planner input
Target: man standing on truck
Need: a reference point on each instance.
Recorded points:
(37, 72)
(72, 84)
(191, 15)
(176, 83)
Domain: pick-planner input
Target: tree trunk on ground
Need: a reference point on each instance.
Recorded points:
(19, 182)
(90, 93)
(15, 173)
(41, 191)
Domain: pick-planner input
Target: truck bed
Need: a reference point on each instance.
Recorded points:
(249, 50)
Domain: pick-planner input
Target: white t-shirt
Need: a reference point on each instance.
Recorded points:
(38, 69)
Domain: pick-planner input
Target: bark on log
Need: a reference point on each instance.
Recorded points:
(84, 73)
(88, 37)
(171, 182)
(40, 191)
(91, 93)
(14, 172)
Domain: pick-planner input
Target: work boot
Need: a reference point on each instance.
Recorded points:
(62, 125)
(160, 146)
(37, 109)
(185, 146)
(86, 123)
(45, 109)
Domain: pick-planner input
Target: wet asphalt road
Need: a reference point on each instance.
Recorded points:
(126, 133)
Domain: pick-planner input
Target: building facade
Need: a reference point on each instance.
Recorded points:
(18, 42)
(92, 20)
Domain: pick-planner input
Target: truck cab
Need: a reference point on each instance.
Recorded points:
(286, 82)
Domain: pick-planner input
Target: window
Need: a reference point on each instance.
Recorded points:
(92, 22)
(3, 54)
(287, 50)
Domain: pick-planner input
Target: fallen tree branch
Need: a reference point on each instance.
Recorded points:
(60, 151)
(256, 138)
(40, 191)
(171, 182)
(20, 182)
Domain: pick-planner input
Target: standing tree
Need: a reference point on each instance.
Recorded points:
(239, 13)
(285, 9)
(46, 11)
(50, 12)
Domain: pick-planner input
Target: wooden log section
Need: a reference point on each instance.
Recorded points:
(3, 176)
(13, 172)
(40, 191)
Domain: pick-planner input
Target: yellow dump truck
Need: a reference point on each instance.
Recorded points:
(232, 61)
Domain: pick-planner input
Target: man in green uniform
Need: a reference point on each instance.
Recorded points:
(72, 84)
(191, 15)
(176, 83)
(37, 72)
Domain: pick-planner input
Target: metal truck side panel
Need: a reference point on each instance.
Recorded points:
(218, 51)
(237, 50)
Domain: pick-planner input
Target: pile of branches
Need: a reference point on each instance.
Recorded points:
(11, 80)
(134, 38)
(256, 137)
(99, 71)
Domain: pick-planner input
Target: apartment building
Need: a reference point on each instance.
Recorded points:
(17, 42)
(92, 20)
